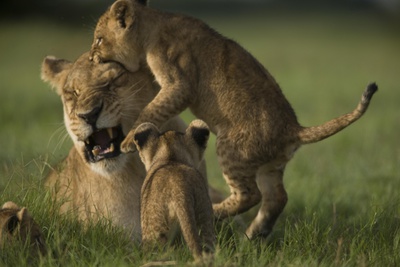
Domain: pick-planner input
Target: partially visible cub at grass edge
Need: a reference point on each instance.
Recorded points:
(16, 224)
(174, 190)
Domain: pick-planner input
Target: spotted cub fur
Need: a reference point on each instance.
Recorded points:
(174, 190)
(257, 131)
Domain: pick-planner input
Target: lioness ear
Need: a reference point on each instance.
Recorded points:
(123, 12)
(144, 133)
(55, 71)
(199, 132)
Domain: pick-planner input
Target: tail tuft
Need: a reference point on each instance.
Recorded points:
(369, 92)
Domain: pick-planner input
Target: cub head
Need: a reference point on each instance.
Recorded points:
(187, 147)
(17, 224)
(116, 37)
(101, 102)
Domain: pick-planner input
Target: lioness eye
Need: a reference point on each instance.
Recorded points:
(99, 41)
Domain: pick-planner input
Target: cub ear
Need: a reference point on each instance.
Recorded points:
(12, 224)
(123, 13)
(22, 214)
(10, 205)
(54, 71)
(199, 132)
(144, 133)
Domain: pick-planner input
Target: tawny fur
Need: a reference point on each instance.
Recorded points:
(257, 129)
(16, 224)
(109, 188)
(174, 190)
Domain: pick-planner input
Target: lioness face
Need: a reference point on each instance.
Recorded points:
(101, 101)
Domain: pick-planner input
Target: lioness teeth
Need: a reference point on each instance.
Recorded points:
(110, 132)
(96, 150)
(111, 149)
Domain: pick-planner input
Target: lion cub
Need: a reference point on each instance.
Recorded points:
(174, 190)
(256, 128)
(17, 224)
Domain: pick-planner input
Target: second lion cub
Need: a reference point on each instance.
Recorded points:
(174, 190)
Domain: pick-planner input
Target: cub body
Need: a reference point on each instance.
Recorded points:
(17, 224)
(174, 190)
(256, 129)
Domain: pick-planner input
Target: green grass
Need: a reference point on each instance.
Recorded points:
(344, 204)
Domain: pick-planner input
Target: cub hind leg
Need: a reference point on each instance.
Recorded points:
(240, 175)
(244, 195)
(186, 217)
(205, 223)
(274, 199)
(240, 171)
(154, 224)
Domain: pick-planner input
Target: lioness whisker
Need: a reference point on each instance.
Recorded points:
(58, 131)
(61, 141)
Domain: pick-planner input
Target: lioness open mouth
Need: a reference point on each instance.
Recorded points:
(104, 144)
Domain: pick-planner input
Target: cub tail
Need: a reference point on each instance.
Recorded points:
(314, 134)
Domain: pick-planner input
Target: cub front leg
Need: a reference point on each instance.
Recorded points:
(169, 102)
(175, 95)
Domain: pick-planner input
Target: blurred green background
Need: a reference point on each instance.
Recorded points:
(322, 53)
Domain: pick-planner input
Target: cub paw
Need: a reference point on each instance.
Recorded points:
(128, 145)
(95, 58)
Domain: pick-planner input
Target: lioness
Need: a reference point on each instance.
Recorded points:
(257, 129)
(17, 224)
(174, 190)
(101, 102)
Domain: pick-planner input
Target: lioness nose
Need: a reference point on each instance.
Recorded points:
(91, 116)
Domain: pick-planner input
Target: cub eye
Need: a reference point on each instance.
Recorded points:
(99, 41)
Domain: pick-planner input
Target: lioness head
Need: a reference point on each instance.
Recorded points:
(101, 102)
(187, 148)
(17, 224)
(116, 37)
